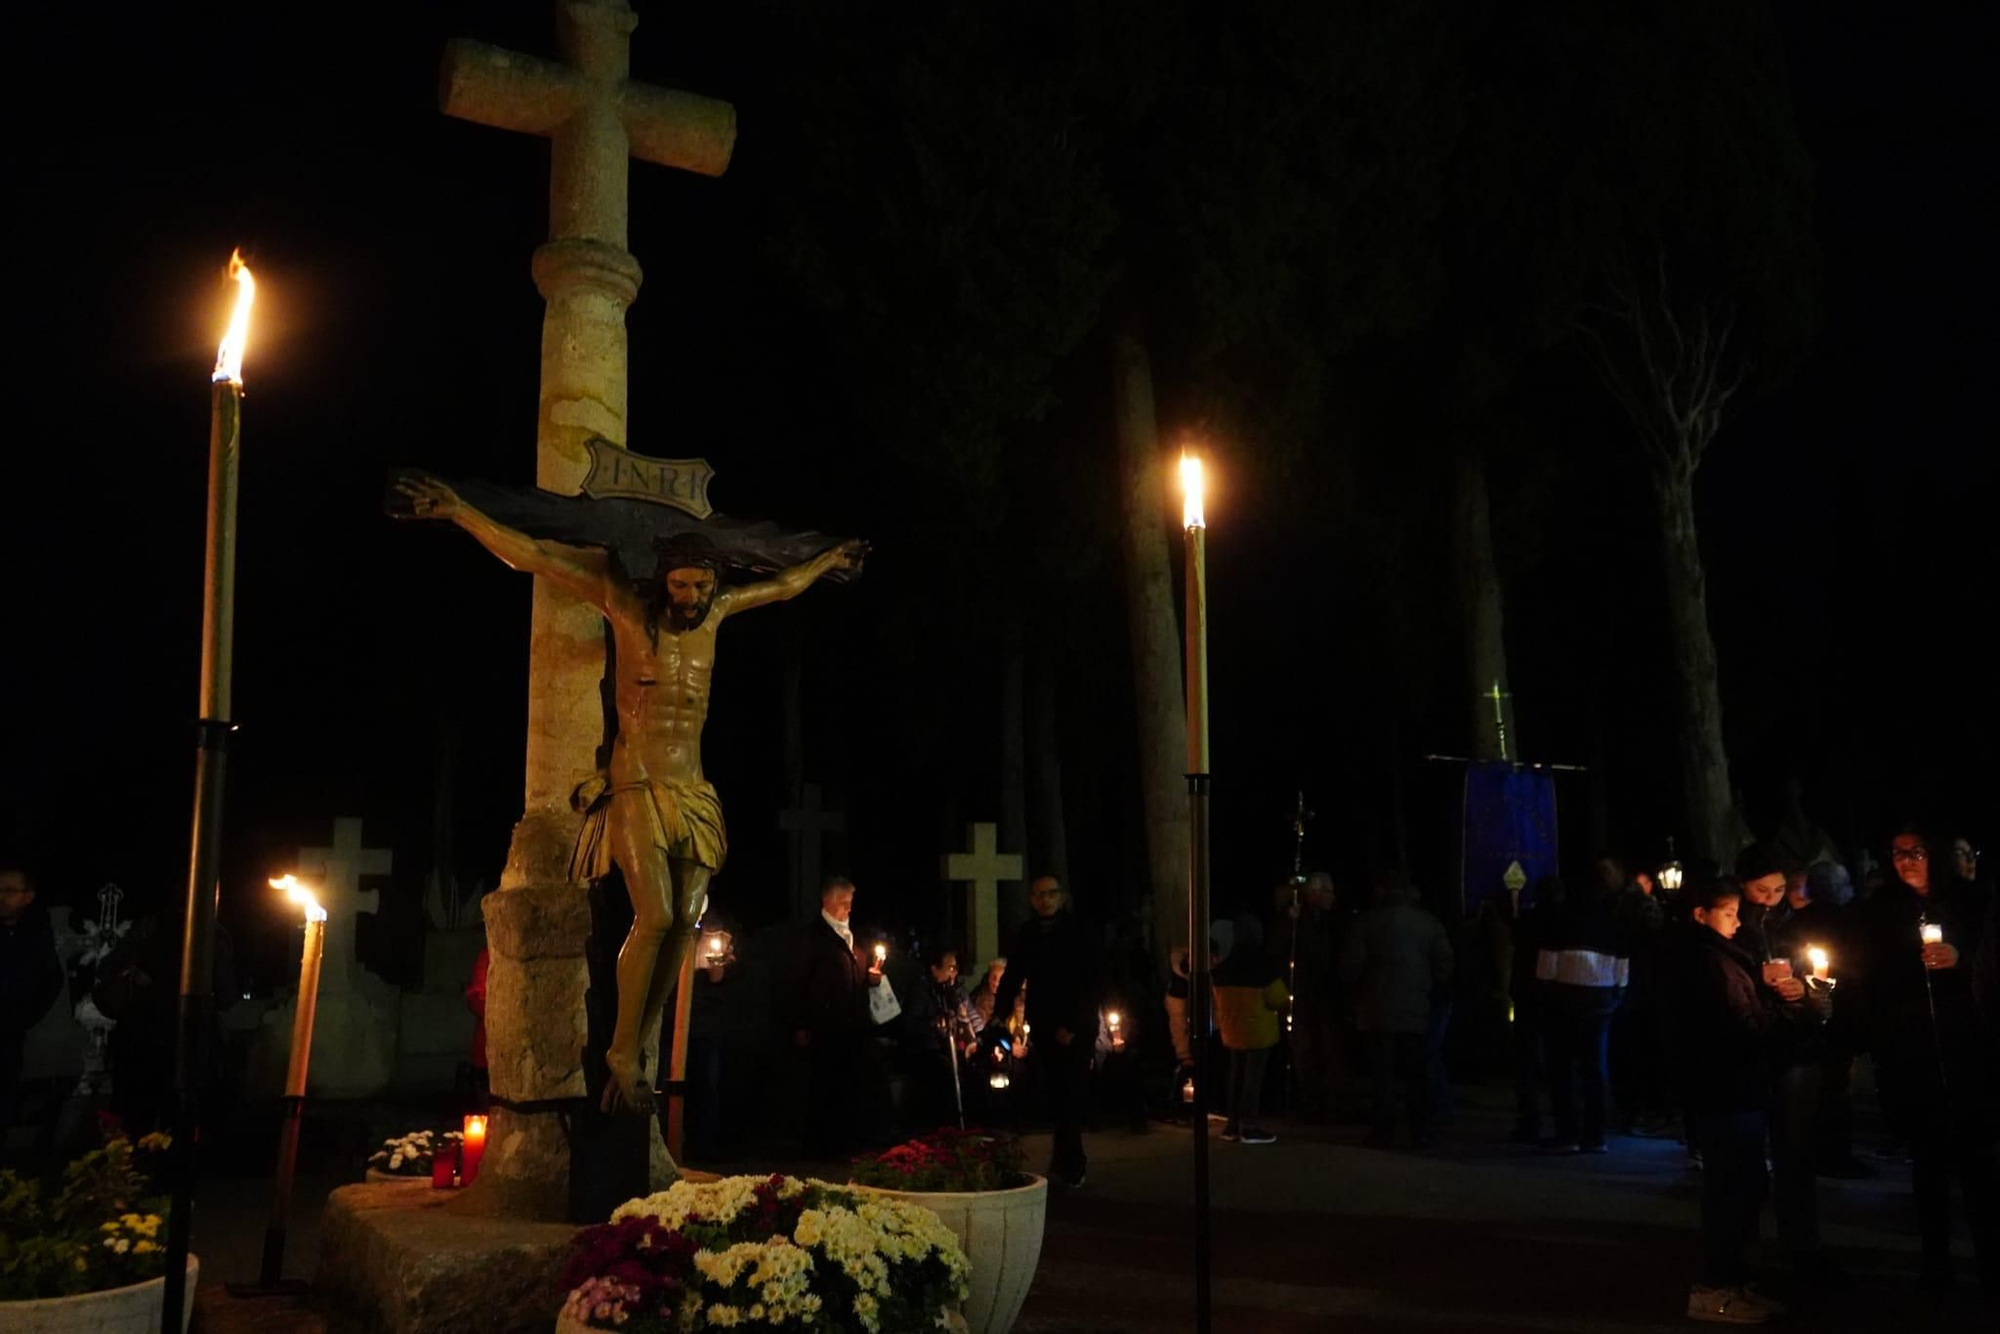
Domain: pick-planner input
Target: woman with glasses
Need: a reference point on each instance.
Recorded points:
(1934, 1060)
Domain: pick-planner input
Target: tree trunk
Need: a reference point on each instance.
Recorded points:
(1048, 829)
(1161, 723)
(1013, 772)
(1493, 735)
(1704, 764)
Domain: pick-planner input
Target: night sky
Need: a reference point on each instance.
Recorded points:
(1844, 512)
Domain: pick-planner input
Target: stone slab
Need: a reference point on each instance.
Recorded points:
(404, 1260)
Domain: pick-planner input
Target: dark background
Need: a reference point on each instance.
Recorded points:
(1844, 515)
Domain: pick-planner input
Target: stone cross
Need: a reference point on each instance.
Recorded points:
(808, 825)
(984, 868)
(595, 119)
(335, 875)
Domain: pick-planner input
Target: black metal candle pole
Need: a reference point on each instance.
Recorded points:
(196, 1004)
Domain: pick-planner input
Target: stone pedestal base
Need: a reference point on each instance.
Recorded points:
(412, 1260)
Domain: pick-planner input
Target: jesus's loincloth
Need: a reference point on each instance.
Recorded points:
(686, 818)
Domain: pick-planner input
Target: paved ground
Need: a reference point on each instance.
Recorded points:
(1318, 1233)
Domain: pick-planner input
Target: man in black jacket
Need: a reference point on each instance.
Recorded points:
(831, 1025)
(1729, 1020)
(31, 977)
(1056, 959)
(1934, 1057)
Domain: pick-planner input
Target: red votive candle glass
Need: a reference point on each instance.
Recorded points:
(475, 1148)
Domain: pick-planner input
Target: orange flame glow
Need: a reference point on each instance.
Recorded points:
(229, 357)
(1191, 487)
(296, 891)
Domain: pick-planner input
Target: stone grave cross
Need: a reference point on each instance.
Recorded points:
(808, 825)
(984, 867)
(595, 119)
(335, 874)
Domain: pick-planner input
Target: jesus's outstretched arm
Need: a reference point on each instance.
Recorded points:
(578, 570)
(796, 580)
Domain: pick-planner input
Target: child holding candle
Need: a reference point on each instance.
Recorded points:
(1732, 1017)
(1934, 1057)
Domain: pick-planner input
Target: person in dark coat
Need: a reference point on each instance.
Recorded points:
(1727, 1021)
(1059, 960)
(1771, 936)
(1934, 1055)
(1531, 928)
(1315, 1043)
(1583, 968)
(1396, 963)
(832, 1026)
(138, 985)
(31, 977)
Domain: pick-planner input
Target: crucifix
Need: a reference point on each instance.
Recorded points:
(336, 873)
(983, 867)
(595, 119)
(808, 826)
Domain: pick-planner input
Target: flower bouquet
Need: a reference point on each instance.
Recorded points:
(411, 1155)
(764, 1253)
(948, 1159)
(102, 1230)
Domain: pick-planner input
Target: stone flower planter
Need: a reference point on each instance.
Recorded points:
(129, 1310)
(1001, 1231)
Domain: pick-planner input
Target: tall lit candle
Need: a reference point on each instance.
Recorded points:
(225, 440)
(1194, 529)
(1112, 1020)
(304, 1011)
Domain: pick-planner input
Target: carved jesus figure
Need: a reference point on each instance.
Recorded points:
(652, 813)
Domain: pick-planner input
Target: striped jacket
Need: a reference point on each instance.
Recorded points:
(1587, 948)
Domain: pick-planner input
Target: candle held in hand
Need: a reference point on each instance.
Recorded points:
(881, 954)
(1933, 934)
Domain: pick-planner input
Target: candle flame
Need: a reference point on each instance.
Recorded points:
(1113, 1018)
(1818, 957)
(881, 953)
(296, 891)
(1191, 485)
(475, 1130)
(229, 357)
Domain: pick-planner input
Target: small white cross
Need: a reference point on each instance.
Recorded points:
(335, 875)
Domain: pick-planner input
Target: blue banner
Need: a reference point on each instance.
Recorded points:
(1510, 816)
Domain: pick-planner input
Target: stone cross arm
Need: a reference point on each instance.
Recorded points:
(509, 91)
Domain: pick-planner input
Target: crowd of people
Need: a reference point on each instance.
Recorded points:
(1732, 1012)
(1744, 1013)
